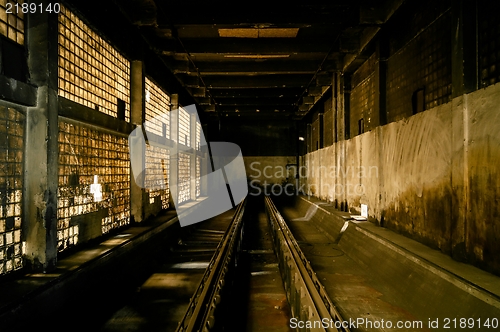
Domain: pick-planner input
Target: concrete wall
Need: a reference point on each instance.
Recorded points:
(432, 176)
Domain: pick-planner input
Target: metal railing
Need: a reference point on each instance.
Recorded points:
(200, 315)
(307, 296)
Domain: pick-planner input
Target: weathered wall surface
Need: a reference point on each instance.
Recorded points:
(483, 160)
(432, 176)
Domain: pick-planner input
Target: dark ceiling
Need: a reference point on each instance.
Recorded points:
(254, 59)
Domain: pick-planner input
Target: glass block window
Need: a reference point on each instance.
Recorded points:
(11, 189)
(157, 172)
(425, 62)
(184, 185)
(94, 177)
(91, 71)
(198, 176)
(198, 136)
(12, 20)
(363, 104)
(184, 127)
(489, 42)
(157, 110)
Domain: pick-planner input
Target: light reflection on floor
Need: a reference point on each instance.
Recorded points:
(191, 265)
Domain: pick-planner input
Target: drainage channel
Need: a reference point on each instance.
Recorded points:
(259, 298)
(306, 295)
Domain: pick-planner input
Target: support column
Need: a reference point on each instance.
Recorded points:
(381, 103)
(320, 131)
(41, 149)
(464, 57)
(174, 151)
(340, 128)
(205, 163)
(464, 80)
(192, 133)
(137, 117)
(381, 73)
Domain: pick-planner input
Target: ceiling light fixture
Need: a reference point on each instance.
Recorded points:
(259, 32)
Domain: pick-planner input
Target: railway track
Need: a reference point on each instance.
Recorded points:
(207, 261)
(306, 295)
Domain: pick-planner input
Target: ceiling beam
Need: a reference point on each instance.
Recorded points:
(268, 81)
(219, 94)
(197, 91)
(257, 100)
(253, 109)
(228, 67)
(248, 46)
(334, 12)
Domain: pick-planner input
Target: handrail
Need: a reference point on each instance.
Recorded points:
(199, 315)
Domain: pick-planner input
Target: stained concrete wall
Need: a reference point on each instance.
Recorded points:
(432, 176)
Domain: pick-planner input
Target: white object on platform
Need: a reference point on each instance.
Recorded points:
(364, 214)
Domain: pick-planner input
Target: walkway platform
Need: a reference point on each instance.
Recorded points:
(374, 274)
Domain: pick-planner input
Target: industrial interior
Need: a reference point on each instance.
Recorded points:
(368, 138)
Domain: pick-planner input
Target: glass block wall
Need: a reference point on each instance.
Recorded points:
(198, 136)
(94, 180)
(157, 110)
(91, 71)
(184, 183)
(11, 186)
(184, 127)
(198, 176)
(157, 172)
(12, 20)
(488, 42)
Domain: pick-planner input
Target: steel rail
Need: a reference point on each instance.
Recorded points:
(200, 314)
(307, 296)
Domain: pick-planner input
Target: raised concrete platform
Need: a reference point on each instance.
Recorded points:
(60, 299)
(373, 273)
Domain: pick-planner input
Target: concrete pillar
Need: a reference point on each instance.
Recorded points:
(381, 105)
(174, 136)
(465, 79)
(464, 63)
(206, 166)
(340, 137)
(347, 105)
(381, 74)
(320, 131)
(41, 154)
(192, 134)
(137, 117)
